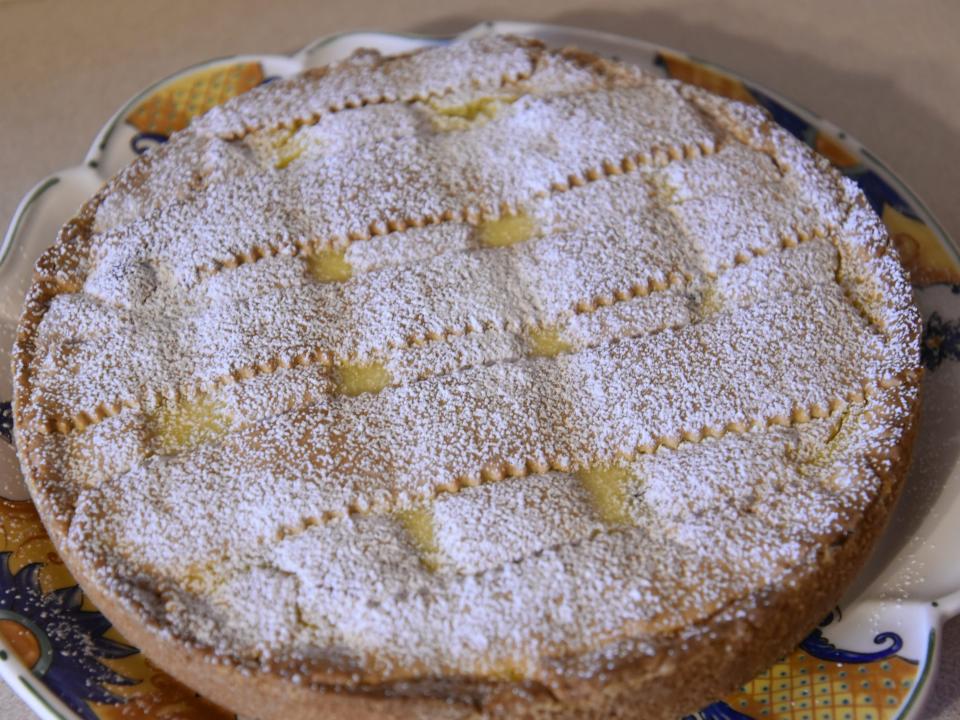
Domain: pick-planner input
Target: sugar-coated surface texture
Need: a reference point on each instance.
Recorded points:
(658, 399)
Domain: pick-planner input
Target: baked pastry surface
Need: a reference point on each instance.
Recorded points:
(488, 380)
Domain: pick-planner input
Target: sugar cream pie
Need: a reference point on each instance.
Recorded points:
(483, 381)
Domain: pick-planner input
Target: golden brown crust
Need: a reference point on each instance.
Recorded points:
(683, 675)
(696, 666)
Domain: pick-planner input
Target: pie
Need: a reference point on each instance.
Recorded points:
(488, 380)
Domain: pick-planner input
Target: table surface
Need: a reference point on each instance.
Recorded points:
(885, 71)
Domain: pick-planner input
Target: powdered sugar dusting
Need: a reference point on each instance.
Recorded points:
(594, 242)
(732, 345)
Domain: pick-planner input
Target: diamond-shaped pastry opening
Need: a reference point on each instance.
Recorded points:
(812, 457)
(419, 525)
(202, 576)
(328, 265)
(508, 671)
(711, 301)
(288, 147)
(476, 111)
(354, 379)
(506, 230)
(175, 426)
(547, 341)
(608, 486)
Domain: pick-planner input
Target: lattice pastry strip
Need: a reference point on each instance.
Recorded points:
(478, 400)
(379, 576)
(379, 463)
(409, 180)
(195, 158)
(648, 253)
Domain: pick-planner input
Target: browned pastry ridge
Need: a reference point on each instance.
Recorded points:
(483, 381)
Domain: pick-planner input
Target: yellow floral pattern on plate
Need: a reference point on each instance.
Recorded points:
(151, 693)
(171, 108)
(802, 687)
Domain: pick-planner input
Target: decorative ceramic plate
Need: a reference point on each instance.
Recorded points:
(871, 659)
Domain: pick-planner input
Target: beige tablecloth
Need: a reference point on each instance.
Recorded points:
(885, 71)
